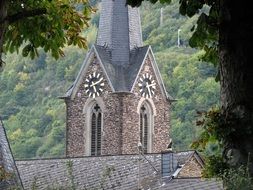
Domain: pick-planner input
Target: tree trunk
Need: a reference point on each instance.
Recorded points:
(3, 25)
(236, 63)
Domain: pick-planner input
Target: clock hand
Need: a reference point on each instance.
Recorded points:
(148, 85)
(149, 92)
(96, 82)
(93, 85)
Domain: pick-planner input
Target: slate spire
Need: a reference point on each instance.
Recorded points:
(119, 30)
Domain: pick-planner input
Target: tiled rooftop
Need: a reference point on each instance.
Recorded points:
(190, 184)
(105, 172)
(122, 172)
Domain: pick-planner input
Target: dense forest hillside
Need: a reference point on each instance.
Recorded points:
(34, 116)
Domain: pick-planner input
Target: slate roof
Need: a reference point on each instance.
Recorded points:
(121, 172)
(119, 29)
(119, 43)
(122, 77)
(137, 57)
(7, 162)
(105, 172)
(190, 184)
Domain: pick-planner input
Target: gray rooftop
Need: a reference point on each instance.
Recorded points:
(119, 30)
(7, 163)
(121, 172)
(105, 172)
(122, 77)
(119, 35)
(190, 184)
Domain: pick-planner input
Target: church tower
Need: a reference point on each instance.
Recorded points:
(118, 98)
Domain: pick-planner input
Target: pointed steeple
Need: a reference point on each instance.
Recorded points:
(119, 30)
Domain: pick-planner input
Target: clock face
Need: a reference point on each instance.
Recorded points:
(94, 85)
(147, 86)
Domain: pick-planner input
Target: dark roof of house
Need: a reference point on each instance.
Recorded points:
(122, 172)
(105, 172)
(190, 184)
(7, 162)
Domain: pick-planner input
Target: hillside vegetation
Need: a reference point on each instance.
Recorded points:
(34, 116)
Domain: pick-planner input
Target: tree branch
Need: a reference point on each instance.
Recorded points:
(24, 14)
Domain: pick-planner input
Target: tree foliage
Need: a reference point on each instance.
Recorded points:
(205, 35)
(51, 25)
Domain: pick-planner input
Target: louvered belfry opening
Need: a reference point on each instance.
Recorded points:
(144, 129)
(96, 127)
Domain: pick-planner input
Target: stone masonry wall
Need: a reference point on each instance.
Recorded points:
(191, 169)
(160, 136)
(120, 117)
(76, 118)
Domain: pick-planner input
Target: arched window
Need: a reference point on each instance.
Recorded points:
(146, 120)
(93, 111)
(96, 127)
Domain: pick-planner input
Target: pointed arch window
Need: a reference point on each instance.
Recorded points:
(145, 128)
(96, 130)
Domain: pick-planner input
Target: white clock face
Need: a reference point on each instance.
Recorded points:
(147, 86)
(94, 84)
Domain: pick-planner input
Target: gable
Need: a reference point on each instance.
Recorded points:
(91, 62)
(192, 167)
(149, 65)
